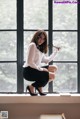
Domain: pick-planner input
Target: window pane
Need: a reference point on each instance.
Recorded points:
(68, 43)
(27, 39)
(8, 77)
(7, 14)
(66, 78)
(64, 16)
(7, 46)
(35, 14)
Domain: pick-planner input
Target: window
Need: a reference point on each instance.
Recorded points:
(65, 36)
(8, 51)
(35, 14)
(19, 19)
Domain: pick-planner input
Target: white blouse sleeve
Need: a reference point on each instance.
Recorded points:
(47, 59)
(31, 57)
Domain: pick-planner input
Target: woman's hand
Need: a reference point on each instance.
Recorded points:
(58, 48)
(44, 69)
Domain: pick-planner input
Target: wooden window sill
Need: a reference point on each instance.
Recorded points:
(50, 98)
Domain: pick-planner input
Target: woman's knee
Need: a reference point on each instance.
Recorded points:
(56, 68)
(53, 68)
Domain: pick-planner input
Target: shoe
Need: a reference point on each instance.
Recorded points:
(42, 94)
(32, 94)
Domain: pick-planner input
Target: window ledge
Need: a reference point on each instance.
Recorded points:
(50, 98)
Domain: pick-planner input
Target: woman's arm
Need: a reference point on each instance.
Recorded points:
(47, 59)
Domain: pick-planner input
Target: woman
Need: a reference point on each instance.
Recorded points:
(32, 70)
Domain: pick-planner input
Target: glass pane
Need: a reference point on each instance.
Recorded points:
(68, 43)
(7, 14)
(8, 77)
(35, 14)
(7, 46)
(27, 39)
(64, 16)
(66, 78)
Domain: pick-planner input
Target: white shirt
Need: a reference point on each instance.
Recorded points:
(35, 57)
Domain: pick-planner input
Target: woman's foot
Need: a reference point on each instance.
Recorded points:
(31, 90)
(40, 91)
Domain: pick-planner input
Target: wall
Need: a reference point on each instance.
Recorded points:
(33, 111)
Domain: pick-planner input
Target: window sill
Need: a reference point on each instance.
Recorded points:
(50, 98)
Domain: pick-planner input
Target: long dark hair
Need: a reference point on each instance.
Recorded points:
(37, 35)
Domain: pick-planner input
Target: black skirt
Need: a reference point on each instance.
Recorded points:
(32, 74)
(40, 78)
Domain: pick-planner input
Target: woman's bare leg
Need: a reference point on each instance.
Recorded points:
(52, 69)
(51, 76)
(31, 88)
